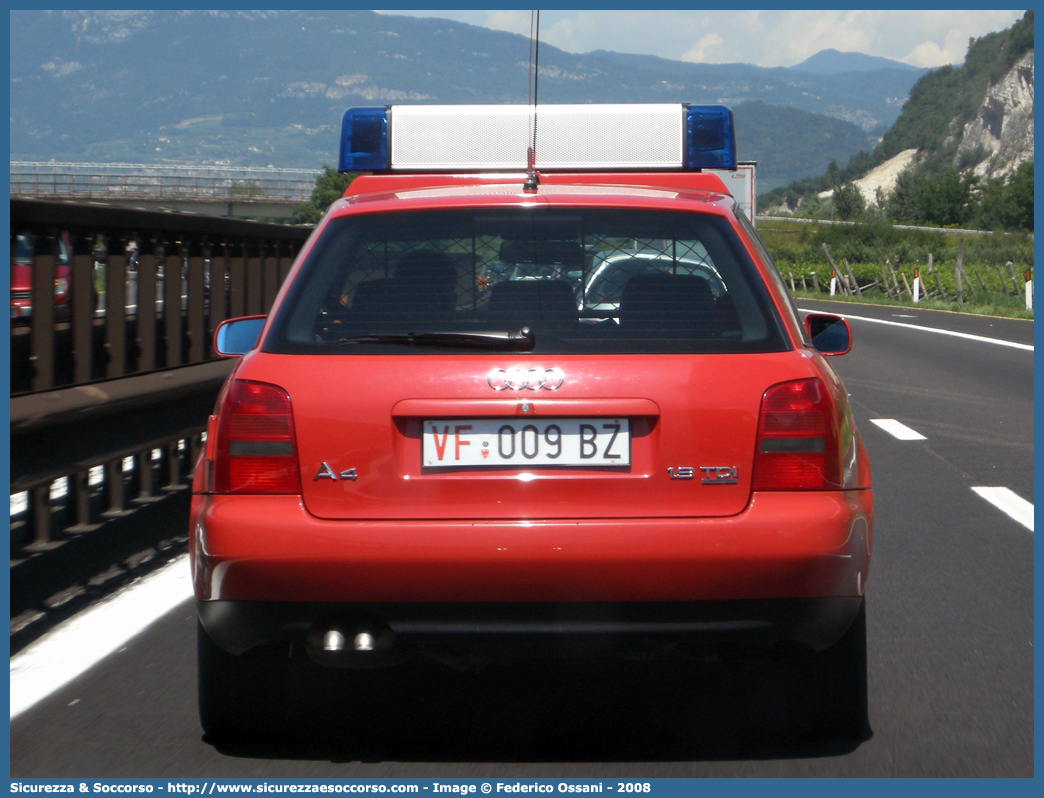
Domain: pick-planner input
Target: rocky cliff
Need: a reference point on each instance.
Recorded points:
(993, 145)
(1001, 136)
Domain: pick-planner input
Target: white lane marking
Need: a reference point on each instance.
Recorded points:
(76, 645)
(968, 336)
(1009, 502)
(898, 429)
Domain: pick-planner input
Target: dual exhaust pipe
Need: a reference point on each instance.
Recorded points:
(357, 643)
(334, 641)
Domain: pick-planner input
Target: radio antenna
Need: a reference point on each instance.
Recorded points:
(532, 181)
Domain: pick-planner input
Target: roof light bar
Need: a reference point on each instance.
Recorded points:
(470, 138)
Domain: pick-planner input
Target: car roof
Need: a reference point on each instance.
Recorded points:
(704, 181)
(390, 193)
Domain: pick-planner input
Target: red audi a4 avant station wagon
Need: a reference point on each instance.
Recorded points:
(528, 390)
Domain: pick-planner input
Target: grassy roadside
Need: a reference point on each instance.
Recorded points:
(993, 269)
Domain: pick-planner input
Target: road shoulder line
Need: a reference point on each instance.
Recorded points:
(967, 336)
(76, 645)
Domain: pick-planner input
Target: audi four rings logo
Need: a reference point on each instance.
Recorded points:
(533, 379)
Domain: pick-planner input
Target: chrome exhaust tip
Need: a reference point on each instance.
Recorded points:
(364, 641)
(334, 641)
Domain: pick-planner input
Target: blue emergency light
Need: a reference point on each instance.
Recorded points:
(473, 138)
(710, 137)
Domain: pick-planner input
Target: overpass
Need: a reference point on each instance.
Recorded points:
(228, 191)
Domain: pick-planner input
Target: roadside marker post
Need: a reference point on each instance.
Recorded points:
(917, 286)
(833, 283)
(1029, 290)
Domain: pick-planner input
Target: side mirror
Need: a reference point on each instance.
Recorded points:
(235, 337)
(830, 334)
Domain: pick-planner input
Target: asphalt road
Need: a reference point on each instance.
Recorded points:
(950, 628)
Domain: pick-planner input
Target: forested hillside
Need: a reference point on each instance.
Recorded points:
(810, 144)
(967, 132)
(944, 100)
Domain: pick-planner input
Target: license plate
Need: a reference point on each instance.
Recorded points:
(526, 443)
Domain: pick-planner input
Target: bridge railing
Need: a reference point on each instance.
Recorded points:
(115, 377)
(127, 182)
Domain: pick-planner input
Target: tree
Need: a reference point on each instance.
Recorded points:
(329, 186)
(812, 206)
(1019, 198)
(833, 173)
(948, 201)
(848, 202)
(1008, 204)
(904, 203)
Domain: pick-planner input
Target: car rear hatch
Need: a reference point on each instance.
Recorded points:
(431, 437)
(424, 384)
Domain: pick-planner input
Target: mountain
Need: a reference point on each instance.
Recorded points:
(961, 151)
(269, 87)
(871, 100)
(833, 62)
(810, 143)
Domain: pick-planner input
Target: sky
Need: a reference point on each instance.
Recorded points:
(766, 38)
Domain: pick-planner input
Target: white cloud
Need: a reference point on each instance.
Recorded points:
(793, 36)
(927, 54)
(700, 51)
(510, 21)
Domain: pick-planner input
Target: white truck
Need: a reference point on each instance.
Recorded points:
(742, 184)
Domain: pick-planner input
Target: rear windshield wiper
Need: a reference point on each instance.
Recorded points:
(520, 340)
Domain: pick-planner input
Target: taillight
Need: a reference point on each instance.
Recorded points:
(255, 449)
(797, 447)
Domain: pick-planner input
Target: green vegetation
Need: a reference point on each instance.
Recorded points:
(990, 285)
(329, 186)
(951, 199)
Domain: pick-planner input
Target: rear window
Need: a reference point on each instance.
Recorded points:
(22, 250)
(581, 281)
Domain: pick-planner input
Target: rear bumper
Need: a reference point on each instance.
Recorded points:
(792, 566)
(398, 630)
(783, 545)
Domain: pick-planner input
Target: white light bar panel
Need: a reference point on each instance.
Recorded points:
(580, 137)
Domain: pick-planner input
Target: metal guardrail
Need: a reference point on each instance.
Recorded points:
(838, 222)
(93, 386)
